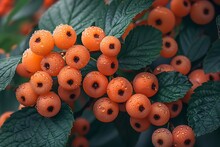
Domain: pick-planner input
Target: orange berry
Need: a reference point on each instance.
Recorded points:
(2, 51)
(26, 95)
(21, 71)
(180, 8)
(64, 36)
(105, 110)
(95, 84)
(41, 42)
(69, 78)
(159, 114)
(181, 64)
(77, 57)
(26, 28)
(145, 83)
(91, 38)
(170, 47)
(48, 3)
(202, 12)
(31, 61)
(52, 63)
(4, 117)
(127, 30)
(163, 68)
(110, 46)
(107, 65)
(160, 3)
(41, 82)
(80, 141)
(138, 106)
(198, 75)
(48, 105)
(140, 125)
(217, 2)
(119, 90)
(183, 136)
(81, 126)
(213, 76)
(69, 95)
(175, 108)
(162, 137)
(162, 18)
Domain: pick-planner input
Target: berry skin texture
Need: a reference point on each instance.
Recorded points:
(80, 141)
(77, 57)
(180, 8)
(127, 30)
(183, 136)
(64, 36)
(52, 63)
(138, 106)
(107, 65)
(21, 71)
(162, 18)
(170, 47)
(217, 2)
(159, 114)
(160, 3)
(41, 42)
(198, 75)
(163, 68)
(69, 78)
(4, 117)
(110, 46)
(175, 108)
(48, 105)
(119, 90)
(81, 126)
(69, 96)
(181, 64)
(95, 84)
(92, 37)
(139, 125)
(26, 95)
(105, 110)
(202, 12)
(41, 82)
(145, 83)
(162, 137)
(31, 61)
(213, 76)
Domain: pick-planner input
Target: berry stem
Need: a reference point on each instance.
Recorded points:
(93, 59)
(80, 112)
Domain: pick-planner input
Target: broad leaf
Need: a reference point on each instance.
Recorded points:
(172, 86)
(7, 70)
(91, 66)
(211, 62)
(204, 108)
(142, 47)
(117, 16)
(28, 128)
(77, 13)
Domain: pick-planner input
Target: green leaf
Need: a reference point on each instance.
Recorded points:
(91, 66)
(77, 13)
(117, 16)
(142, 47)
(28, 128)
(204, 108)
(218, 25)
(172, 86)
(211, 62)
(7, 70)
(193, 43)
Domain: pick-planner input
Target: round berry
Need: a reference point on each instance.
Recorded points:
(77, 57)
(21, 71)
(49, 104)
(110, 46)
(175, 108)
(181, 64)
(119, 90)
(162, 137)
(213, 76)
(180, 8)
(26, 95)
(64, 36)
(41, 42)
(95, 84)
(170, 47)
(163, 68)
(146, 83)
(68, 95)
(198, 75)
(138, 106)
(4, 117)
(69, 78)
(139, 125)
(160, 3)
(217, 2)
(80, 141)
(41, 82)
(81, 126)
(159, 114)
(105, 110)
(91, 38)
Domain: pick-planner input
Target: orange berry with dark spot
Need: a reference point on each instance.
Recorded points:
(4, 117)
(21, 71)
(81, 126)
(163, 68)
(213, 76)
(198, 75)
(180, 8)
(80, 141)
(110, 46)
(181, 64)
(175, 108)
(140, 125)
(162, 137)
(170, 47)
(69, 95)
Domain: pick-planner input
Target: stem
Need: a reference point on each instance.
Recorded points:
(93, 59)
(80, 112)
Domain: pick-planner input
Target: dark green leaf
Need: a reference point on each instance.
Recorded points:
(172, 86)
(77, 13)
(91, 66)
(28, 128)
(142, 47)
(218, 25)
(204, 108)
(193, 43)
(211, 62)
(119, 14)
(7, 70)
